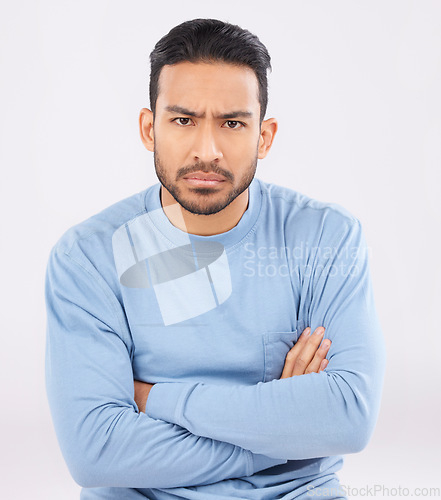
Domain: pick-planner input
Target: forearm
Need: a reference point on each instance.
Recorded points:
(115, 446)
(296, 418)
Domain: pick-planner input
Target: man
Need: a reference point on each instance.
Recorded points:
(186, 349)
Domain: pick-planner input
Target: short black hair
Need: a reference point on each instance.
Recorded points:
(211, 40)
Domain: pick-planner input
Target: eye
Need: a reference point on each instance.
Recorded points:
(233, 124)
(182, 121)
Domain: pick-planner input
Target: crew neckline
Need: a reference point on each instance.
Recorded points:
(228, 238)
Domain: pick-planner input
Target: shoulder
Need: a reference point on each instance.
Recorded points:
(97, 230)
(299, 211)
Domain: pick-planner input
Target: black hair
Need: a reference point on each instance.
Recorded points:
(211, 40)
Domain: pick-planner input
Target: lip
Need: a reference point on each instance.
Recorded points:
(202, 179)
(205, 177)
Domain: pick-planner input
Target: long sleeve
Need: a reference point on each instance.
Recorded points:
(89, 381)
(315, 415)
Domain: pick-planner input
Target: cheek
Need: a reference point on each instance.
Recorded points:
(171, 151)
(240, 148)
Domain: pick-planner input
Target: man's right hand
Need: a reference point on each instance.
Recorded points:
(306, 356)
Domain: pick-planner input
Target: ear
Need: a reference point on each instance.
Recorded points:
(268, 130)
(146, 128)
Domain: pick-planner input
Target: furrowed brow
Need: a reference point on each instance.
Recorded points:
(235, 114)
(225, 116)
(183, 111)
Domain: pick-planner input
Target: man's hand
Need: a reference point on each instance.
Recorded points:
(306, 356)
(142, 390)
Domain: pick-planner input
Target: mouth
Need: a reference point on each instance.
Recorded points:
(202, 179)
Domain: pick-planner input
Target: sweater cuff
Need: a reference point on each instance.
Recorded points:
(165, 401)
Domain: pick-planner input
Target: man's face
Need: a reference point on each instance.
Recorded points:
(206, 133)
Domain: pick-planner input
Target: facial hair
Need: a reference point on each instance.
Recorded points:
(204, 201)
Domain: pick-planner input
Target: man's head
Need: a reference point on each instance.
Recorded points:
(208, 93)
(211, 40)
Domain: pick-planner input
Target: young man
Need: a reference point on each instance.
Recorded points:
(186, 349)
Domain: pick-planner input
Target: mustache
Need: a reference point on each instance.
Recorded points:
(206, 168)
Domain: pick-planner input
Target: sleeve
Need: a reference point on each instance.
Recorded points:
(314, 415)
(89, 381)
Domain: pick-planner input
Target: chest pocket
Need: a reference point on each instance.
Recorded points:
(276, 346)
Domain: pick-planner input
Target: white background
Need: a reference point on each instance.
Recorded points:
(356, 89)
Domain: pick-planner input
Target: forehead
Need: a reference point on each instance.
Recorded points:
(196, 85)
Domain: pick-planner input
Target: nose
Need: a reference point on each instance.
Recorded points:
(205, 145)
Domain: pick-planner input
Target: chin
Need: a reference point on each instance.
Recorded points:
(200, 208)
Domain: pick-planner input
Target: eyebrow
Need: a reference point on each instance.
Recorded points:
(225, 116)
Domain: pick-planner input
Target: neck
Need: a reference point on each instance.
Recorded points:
(204, 225)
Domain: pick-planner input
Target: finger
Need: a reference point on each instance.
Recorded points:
(323, 364)
(319, 356)
(308, 352)
(297, 351)
(294, 352)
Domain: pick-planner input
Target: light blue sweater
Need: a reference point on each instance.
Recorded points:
(209, 321)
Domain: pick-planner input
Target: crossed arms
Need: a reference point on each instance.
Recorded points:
(191, 428)
(307, 356)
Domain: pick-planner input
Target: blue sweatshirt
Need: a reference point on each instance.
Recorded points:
(209, 321)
